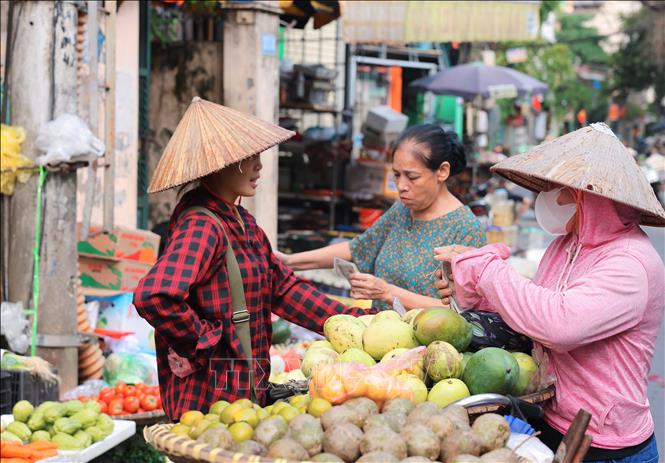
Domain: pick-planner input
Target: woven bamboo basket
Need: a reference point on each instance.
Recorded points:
(183, 450)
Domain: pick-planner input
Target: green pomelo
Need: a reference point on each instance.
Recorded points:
(442, 361)
(443, 325)
(316, 358)
(447, 391)
(528, 369)
(491, 370)
(366, 319)
(417, 387)
(416, 369)
(382, 336)
(411, 315)
(321, 343)
(465, 359)
(386, 315)
(356, 355)
(344, 331)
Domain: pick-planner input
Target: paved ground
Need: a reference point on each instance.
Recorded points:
(656, 385)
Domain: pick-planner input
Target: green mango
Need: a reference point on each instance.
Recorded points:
(20, 430)
(40, 436)
(84, 438)
(73, 406)
(7, 436)
(67, 425)
(22, 411)
(36, 421)
(96, 433)
(52, 413)
(105, 423)
(66, 442)
(86, 417)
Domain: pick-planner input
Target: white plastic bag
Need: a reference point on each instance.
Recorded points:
(66, 138)
(533, 449)
(14, 326)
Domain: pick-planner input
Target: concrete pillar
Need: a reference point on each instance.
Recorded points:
(251, 85)
(42, 86)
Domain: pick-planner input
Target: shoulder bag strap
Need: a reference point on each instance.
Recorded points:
(238, 303)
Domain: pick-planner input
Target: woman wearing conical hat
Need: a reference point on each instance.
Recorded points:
(596, 303)
(211, 293)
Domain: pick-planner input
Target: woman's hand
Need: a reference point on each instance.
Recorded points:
(366, 286)
(284, 258)
(447, 253)
(443, 288)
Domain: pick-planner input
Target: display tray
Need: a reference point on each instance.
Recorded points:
(122, 430)
(144, 419)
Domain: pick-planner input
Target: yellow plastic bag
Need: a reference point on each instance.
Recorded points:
(11, 159)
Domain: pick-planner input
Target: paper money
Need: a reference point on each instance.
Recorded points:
(344, 268)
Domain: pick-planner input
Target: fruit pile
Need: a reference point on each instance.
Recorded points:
(72, 425)
(443, 373)
(357, 431)
(242, 417)
(127, 399)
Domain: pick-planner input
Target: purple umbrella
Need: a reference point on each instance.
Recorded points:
(471, 80)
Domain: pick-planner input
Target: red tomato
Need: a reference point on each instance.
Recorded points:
(131, 404)
(140, 386)
(83, 398)
(130, 391)
(107, 395)
(120, 388)
(159, 403)
(149, 403)
(115, 407)
(119, 396)
(103, 406)
(141, 395)
(140, 411)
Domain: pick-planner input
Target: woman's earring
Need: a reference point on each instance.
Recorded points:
(240, 167)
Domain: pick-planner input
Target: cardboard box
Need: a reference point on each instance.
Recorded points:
(111, 274)
(371, 178)
(121, 243)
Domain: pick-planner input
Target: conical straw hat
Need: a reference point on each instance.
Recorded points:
(590, 159)
(208, 138)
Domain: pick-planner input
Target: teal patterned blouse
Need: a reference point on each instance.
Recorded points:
(400, 249)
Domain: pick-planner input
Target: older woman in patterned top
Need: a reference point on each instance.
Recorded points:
(395, 254)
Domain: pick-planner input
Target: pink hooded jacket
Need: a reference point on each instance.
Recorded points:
(595, 307)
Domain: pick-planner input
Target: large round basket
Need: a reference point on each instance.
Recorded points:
(184, 450)
(538, 397)
(145, 419)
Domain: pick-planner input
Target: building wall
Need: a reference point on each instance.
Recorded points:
(179, 73)
(126, 119)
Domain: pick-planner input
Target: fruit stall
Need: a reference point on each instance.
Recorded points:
(380, 388)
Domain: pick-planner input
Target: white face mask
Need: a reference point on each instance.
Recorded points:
(550, 215)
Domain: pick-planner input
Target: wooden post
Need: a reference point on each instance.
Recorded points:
(43, 86)
(251, 85)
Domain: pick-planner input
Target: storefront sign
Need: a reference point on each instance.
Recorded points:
(502, 91)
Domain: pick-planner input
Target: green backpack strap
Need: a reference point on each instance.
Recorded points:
(240, 316)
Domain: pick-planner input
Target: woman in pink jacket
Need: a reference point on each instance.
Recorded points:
(596, 303)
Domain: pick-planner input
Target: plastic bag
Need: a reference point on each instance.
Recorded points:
(11, 159)
(130, 369)
(90, 388)
(489, 330)
(14, 326)
(340, 382)
(65, 138)
(530, 447)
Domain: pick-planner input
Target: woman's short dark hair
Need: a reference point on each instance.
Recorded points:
(440, 146)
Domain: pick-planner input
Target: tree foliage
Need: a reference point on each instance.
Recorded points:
(582, 40)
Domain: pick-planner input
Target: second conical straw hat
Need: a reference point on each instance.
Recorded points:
(208, 138)
(590, 159)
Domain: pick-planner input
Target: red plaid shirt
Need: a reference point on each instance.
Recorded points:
(186, 298)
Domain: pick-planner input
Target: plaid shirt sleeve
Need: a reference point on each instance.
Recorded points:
(299, 302)
(160, 296)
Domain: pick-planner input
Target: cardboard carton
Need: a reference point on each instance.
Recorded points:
(111, 274)
(121, 243)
